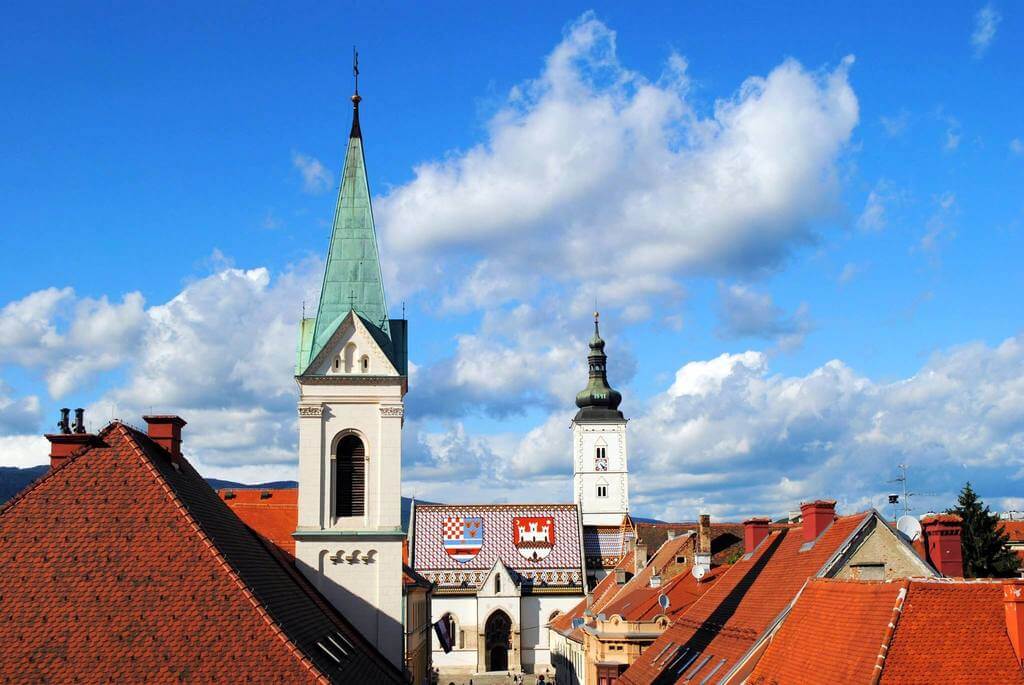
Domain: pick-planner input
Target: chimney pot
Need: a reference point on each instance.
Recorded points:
(704, 534)
(639, 557)
(817, 516)
(79, 420)
(65, 443)
(1013, 604)
(942, 544)
(754, 531)
(165, 430)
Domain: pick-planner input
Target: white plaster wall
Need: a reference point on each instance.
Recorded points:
(536, 609)
(600, 510)
(464, 610)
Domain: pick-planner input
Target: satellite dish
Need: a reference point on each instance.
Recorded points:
(699, 572)
(663, 601)
(909, 526)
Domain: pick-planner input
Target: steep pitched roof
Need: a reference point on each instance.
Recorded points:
(717, 630)
(841, 631)
(604, 592)
(120, 564)
(726, 538)
(272, 514)
(560, 569)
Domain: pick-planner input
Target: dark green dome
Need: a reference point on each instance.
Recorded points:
(598, 401)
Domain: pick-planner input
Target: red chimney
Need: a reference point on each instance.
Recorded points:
(165, 430)
(942, 543)
(1013, 603)
(754, 531)
(70, 438)
(704, 534)
(817, 516)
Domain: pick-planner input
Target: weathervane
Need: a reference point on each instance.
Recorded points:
(355, 67)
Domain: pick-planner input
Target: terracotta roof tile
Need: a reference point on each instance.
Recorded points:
(725, 622)
(837, 629)
(119, 566)
(272, 514)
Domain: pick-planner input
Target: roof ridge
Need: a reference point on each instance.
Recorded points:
(20, 495)
(216, 553)
(890, 632)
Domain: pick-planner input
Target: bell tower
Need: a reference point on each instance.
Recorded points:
(351, 370)
(600, 470)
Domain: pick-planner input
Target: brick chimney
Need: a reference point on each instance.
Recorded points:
(754, 531)
(704, 534)
(941, 534)
(817, 516)
(70, 438)
(165, 430)
(639, 557)
(1013, 603)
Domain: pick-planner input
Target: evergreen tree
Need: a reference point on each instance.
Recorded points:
(984, 541)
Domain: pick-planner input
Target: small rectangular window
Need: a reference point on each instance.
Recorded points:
(602, 490)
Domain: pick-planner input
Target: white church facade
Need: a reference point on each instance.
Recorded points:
(501, 573)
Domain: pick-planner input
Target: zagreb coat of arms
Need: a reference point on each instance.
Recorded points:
(533, 536)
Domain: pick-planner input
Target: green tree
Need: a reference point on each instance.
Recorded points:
(984, 541)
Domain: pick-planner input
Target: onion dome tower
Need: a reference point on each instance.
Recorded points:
(600, 473)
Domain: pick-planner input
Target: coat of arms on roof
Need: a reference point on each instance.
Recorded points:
(463, 536)
(533, 536)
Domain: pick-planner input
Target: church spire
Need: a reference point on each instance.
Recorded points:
(352, 275)
(598, 401)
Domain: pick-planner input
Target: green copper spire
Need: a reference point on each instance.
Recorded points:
(352, 276)
(598, 401)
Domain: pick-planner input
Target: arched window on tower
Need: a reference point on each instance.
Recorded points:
(350, 483)
(350, 357)
(601, 458)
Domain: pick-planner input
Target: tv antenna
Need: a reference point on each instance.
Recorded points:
(896, 499)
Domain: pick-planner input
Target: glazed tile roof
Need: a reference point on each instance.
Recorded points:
(719, 628)
(272, 514)
(559, 570)
(603, 545)
(837, 629)
(118, 565)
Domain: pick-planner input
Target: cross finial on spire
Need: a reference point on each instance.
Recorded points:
(355, 68)
(356, 98)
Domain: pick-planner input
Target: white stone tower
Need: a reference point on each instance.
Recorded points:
(352, 377)
(600, 470)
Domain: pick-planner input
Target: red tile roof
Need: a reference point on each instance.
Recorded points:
(603, 592)
(1015, 529)
(948, 631)
(832, 635)
(118, 565)
(725, 622)
(272, 514)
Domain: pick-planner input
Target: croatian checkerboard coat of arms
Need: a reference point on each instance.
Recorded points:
(463, 536)
(533, 536)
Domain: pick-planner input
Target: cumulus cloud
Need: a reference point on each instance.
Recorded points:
(733, 436)
(592, 159)
(1017, 146)
(986, 22)
(18, 415)
(746, 313)
(316, 178)
(70, 339)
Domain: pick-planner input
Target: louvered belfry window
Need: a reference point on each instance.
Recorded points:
(350, 488)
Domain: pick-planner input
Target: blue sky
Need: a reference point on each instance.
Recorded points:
(827, 196)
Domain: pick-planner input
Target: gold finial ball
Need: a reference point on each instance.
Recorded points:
(356, 99)
(597, 315)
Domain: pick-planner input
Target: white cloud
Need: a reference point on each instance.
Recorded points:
(897, 124)
(850, 271)
(1017, 146)
(316, 178)
(592, 159)
(986, 21)
(938, 227)
(70, 339)
(18, 415)
(874, 217)
(744, 312)
(23, 451)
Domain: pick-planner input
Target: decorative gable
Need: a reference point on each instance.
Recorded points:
(352, 350)
(499, 583)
